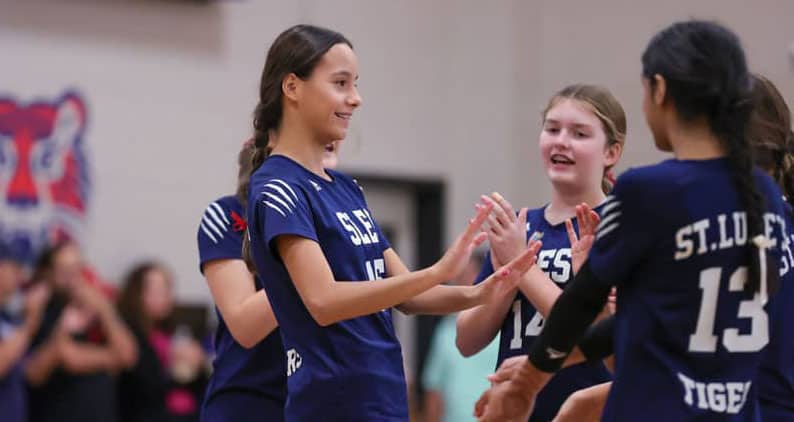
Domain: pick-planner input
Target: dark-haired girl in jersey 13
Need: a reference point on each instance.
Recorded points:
(692, 244)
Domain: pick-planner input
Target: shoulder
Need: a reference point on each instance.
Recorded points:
(227, 204)
(643, 176)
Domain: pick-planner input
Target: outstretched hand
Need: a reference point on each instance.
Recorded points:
(580, 245)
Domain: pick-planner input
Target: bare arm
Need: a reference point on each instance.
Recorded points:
(477, 327)
(121, 345)
(42, 362)
(584, 405)
(330, 301)
(434, 406)
(84, 358)
(245, 311)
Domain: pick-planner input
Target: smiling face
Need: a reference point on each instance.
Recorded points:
(327, 99)
(573, 145)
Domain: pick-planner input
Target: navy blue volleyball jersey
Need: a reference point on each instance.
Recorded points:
(776, 378)
(351, 370)
(523, 323)
(688, 337)
(260, 370)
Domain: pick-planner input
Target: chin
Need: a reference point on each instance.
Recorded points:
(562, 180)
(662, 145)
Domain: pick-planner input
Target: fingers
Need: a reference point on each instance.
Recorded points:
(572, 238)
(503, 208)
(595, 220)
(476, 223)
(499, 377)
(479, 239)
(479, 407)
(534, 246)
(495, 226)
(526, 259)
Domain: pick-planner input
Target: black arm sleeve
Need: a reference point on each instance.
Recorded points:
(597, 341)
(572, 313)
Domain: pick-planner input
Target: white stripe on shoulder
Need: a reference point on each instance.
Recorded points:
(214, 216)
(281, 182)
(211, 225)
(275, 207)
(608, 219)
(277, 189)
(208, 233)
(606, 230)
(609, 207)
(279, 200)
(221, 212)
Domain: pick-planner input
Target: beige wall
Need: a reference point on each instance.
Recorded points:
(452, 89)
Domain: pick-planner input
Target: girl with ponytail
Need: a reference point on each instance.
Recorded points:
(328, 270)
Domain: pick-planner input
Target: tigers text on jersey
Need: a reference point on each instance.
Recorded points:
(776, 377)
(688, 337)
(523, 323)
(351, 370)
(261, 370)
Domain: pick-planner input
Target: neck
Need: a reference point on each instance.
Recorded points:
(695, 142)
(296, 142)
(563, 203)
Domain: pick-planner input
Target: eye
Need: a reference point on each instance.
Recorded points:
(580, 134)
(342, 83)
(553, 130)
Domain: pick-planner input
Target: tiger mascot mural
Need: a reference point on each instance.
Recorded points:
(44, 178)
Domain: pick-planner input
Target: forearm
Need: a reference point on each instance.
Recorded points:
(42, 362)
(252, 320)
(339, 301)
(434, 406)
(538, 288)
(477, 327)
(121, 343)
(584, 405)
(245, 310)
(440, 300)
(571, 315)
(78, 358)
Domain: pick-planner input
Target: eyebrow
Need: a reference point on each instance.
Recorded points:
(344, 73)
(576, 125)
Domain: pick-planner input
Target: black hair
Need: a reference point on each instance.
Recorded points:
(705, 72)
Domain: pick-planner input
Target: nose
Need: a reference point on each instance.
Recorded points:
(562, 140)
(354, 100)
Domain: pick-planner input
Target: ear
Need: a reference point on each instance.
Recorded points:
(612, 154)
(291, 87)
(658, 90)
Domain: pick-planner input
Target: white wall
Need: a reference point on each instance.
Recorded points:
(452, 89)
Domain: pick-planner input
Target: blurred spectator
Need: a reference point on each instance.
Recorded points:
(169, 379)
(453, 383)
(15, 335)
(80, 344)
